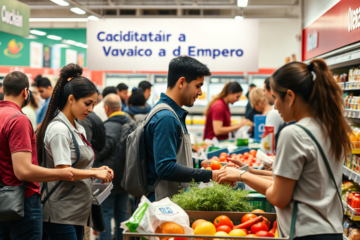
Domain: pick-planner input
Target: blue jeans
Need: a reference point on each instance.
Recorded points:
(57, 231)
(27, 228)
(115, 205)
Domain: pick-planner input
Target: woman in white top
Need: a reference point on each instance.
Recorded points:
(310, 95)
(30, 109)
(63, 143)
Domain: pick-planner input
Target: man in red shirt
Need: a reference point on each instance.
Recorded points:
(18, 161)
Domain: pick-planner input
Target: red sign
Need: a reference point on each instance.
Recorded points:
(338, 27)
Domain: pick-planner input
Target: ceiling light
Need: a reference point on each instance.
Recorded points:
(60, 2)
(61, 45)
(78, 44)
(37, 32)
(85, 46)
(58, 20)
(53, 37)
(92, 17)
(242, 3)
(77, 10)
(71, 42)
(239, 17)
(31, 37)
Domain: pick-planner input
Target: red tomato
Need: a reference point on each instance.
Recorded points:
(233, 155)
(251, 164)
(224, 154)
(264, 234)
(248, 217)
(240, 155)
(267, 222)
(246, 155)
(223, 158)
(253, 160)
(223, 220)
(224, 228)
(257, 227)
(253, 152)
(215, 165)
(251, 156)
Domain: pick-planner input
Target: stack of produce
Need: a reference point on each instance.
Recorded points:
(251, 226)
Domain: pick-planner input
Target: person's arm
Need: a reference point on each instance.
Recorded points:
(97, 173)
(24, 170)
(219, 129)
(167, 132)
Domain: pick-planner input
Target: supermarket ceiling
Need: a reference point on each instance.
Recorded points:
(259, 9)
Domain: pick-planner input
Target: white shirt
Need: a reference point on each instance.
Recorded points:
(58, 140)
(274, 119)
(99, 110)
(298, 158)
(31, 114)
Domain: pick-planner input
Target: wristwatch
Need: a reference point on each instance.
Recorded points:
(241, 173)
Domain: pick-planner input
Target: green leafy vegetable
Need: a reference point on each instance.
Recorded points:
(219, 197)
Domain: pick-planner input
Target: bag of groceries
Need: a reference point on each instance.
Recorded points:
(158, 217)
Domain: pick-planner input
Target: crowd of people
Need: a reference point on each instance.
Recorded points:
(68, 140)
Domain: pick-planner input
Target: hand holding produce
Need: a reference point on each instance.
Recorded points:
(229, 174)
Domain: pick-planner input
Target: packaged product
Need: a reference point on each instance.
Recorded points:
(158, 216)
(354, 234)
(267, 144)
(346, 226)
(351, 75)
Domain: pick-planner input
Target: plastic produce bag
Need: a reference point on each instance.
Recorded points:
(243, 132)
(264, 159)
(148, 216)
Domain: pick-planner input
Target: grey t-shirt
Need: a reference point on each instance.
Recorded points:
(298, 158)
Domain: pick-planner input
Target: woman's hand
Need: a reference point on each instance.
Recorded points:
(229, 175)
(106, 168)
(65, 174)
(237, 162)
(103, 175)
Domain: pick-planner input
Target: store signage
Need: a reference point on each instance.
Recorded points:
(354, 19)
(312, 41)
(338, 27)
(224, 45)
(14, 17)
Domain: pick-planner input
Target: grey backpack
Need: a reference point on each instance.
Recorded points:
(135, 178)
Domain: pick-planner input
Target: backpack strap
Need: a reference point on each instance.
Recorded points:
(77, 150)
(293, 219)
(159, 107)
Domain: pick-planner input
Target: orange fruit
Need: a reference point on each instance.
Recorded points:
(171, 228)
(258, 211)
(208, 168)
(215, 165)
(197, 222)
(237, 233)
(205, 228)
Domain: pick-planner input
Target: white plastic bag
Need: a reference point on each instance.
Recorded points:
(148, 216)
(243, 132)
(264, 159)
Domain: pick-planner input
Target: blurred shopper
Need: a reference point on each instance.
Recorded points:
(74, 98)
(1, 88)
(18, 161)
(1, 96)
(145, 86)
(99, 109)
(167, 143)
(303, 182)
(137, 108)
(248, 106)
(30, 109)
(123, 92)
(116, 204)
(273, 117)
(218, 116)
(45, 90)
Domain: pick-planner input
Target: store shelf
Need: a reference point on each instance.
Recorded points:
(353, 214)
(355, 151)
(351, 174)
(351, 113)
(349, 86)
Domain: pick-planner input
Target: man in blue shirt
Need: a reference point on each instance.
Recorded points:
(163, 133)
(45, 91)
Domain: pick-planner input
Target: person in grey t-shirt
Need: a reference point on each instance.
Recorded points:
(308, 94)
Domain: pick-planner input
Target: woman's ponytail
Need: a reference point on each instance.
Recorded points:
(69, 75)
(315, 84)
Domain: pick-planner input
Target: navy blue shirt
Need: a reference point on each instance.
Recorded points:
(162, 140)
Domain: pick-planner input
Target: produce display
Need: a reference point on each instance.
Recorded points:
(246, 158)
(215, 197)
(250, 226)
(351, 229)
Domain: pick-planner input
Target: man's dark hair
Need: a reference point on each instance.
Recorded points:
(122, 87)
(187, 67)
(137, 98)
(108, 90)
(42, 82)
(267, 83)
(252, 85)
(0, 84)
(14, 83)
(1, 96)
(143, 85)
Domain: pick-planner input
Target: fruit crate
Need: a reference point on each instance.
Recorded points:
(259, 201)
(208, 216)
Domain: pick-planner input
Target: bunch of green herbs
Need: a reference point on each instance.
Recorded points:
(219, 197)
